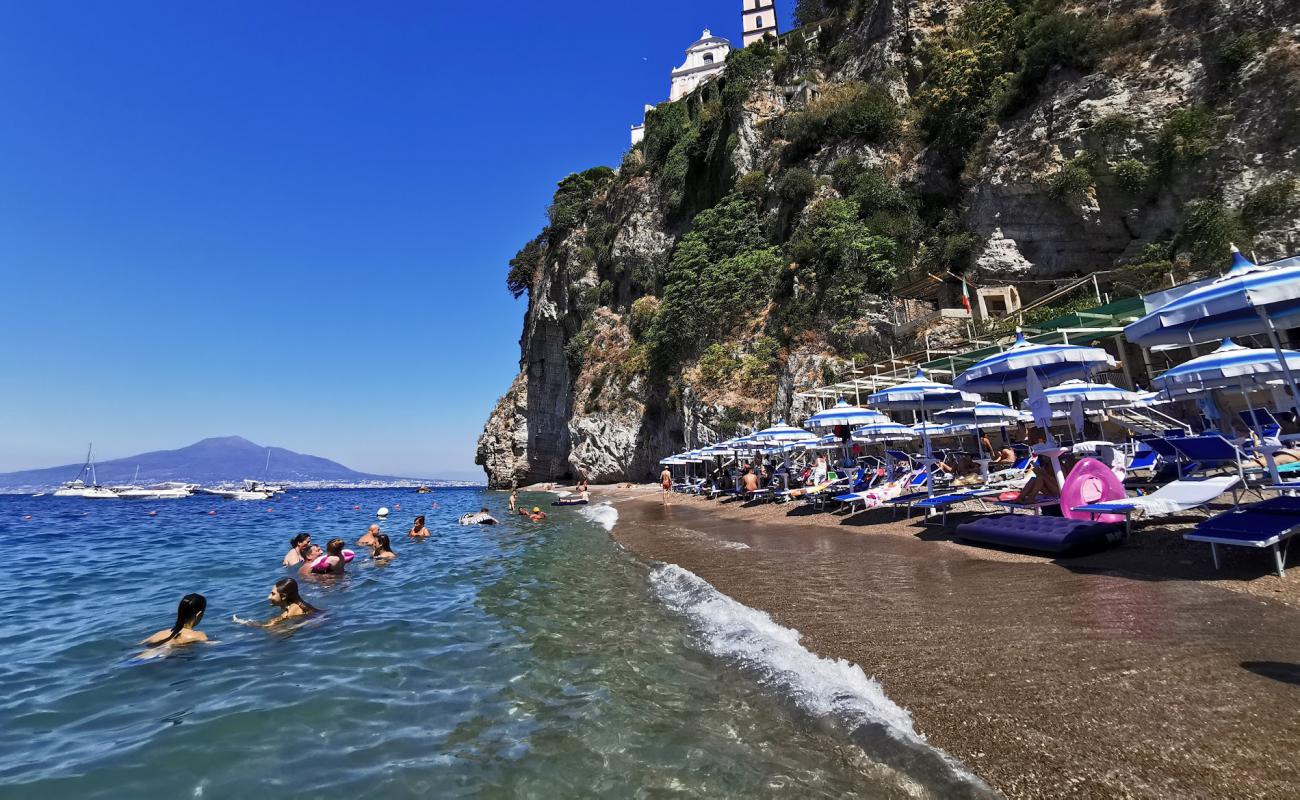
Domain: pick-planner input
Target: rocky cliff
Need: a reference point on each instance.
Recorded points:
(751, 245)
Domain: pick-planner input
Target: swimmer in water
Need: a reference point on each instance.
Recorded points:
(188, 615)
(284, 596)
(382, 550)
(334, 560)
(298, 549)
(417, 528)
(538, 515)
(368, 540)
(514, 500)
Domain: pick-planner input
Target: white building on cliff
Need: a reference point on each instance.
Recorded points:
(707, 57)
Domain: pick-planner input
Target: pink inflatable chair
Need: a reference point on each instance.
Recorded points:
(1091, 482)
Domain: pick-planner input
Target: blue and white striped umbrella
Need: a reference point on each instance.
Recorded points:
(884, 430)
(826, 443)
(1231, 366)
(921, 394)
(781, 433)
(931, 430)
(842, 414)
(1251, 298)
(1089, 396)
(982, 415)
(1051, 363)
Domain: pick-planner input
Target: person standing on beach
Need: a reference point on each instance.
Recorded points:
(819, 470)
(368, 540)
(666, 481)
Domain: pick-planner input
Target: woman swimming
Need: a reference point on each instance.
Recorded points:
(284, 596)
(188, 615)
(417, 528)
(299, 546)
(381, 550)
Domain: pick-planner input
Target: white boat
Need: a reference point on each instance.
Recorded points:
(249, 491)
(78, 487)
(161, 491)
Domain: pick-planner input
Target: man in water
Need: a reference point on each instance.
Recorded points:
(369, 539)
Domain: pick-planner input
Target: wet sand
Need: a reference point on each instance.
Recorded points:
(1136, 672)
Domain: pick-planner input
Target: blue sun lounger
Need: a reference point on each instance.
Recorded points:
(1270, 523)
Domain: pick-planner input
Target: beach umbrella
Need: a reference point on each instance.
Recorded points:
(1250, 299)
(1230, 366)
(781, 432)
(841, 414)
(885, 430)
(1051, 364)
(981, 416)
(1074, 399)
(1027, 366)
(922, 395)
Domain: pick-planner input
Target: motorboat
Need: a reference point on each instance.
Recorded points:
(161, 491)
(78, 488)
(251, 490)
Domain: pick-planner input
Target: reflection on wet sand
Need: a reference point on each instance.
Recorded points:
(1044, 681)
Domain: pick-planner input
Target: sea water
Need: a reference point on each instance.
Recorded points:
(521, 660)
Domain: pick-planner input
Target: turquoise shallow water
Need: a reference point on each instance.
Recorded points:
(517, 661)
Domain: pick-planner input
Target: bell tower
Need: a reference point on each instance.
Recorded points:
(758, 19)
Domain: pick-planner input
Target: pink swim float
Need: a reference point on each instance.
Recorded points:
(321, 565)
(1091, 482)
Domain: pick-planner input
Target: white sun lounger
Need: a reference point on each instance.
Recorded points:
(1172, 498)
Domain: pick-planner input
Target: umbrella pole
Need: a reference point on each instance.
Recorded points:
(1281, 357)
(1267, 449)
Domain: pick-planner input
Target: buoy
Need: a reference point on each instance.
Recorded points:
(29, 516)
(318, 508)
(356, 508)
(397, 507)
(383, 512)
(212, 513)
(269, 510)
(153, 513)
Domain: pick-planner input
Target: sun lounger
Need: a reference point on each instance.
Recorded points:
(1172, 498)
(944, 503)
(1270, 523)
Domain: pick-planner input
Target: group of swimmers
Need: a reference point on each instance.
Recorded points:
(285, 595)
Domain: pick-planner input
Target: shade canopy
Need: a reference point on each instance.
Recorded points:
(781, 433)
(841, 414)
(921, 394)
(1092, 396)
(1051, 364)
(1230, 366)
(885, 430)
(1249, 299)
(982, 415)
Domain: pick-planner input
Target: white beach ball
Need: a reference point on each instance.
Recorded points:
(383, 512)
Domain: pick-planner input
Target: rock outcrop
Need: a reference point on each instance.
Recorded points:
(1117, 132)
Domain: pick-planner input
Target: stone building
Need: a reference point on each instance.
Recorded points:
(758, 19)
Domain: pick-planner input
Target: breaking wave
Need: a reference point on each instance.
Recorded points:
(603, 515)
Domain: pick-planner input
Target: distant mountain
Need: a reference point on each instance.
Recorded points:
(226, 458)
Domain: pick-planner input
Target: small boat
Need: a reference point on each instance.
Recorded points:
(162, 491)
(423, 490)
(78, 488)
(251, 490)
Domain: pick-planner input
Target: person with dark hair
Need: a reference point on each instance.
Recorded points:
(188, 615)
(382, 550)
(299, 546)
(417, 528)
(284, 596)
(334, 559)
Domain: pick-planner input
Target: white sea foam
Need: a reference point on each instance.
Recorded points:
(832, 689)
(603, 515)
(727, 545)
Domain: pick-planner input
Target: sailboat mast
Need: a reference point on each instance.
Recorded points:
(94, 479)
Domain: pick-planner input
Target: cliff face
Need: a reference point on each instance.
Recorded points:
(746, 250)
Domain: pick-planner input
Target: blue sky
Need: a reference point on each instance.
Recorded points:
(290, 221)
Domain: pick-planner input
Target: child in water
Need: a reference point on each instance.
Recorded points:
(188, 615)
(284, 596)
(381, 550)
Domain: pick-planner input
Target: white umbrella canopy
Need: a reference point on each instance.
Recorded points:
(922, 395)
(841, 414)
(781, 432)
(1050, 363)
(982, 415)
(1251, 298)
(884, 431)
